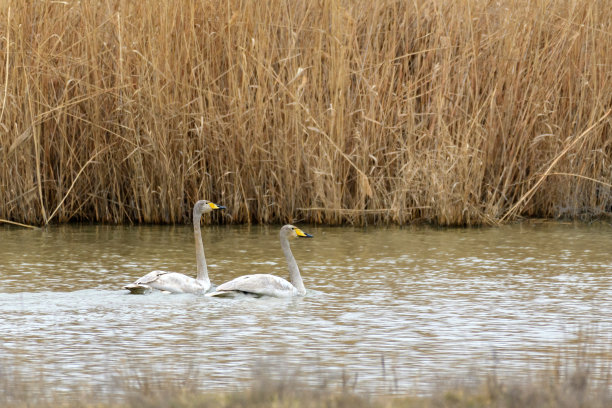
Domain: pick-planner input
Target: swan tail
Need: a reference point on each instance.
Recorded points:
(136, 289)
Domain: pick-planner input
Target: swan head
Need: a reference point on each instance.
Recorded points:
(291, 231)
(205, 206)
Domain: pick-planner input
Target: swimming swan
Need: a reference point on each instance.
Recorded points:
(177, 282)
(270, 285)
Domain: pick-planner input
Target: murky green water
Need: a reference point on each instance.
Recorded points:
(433, 304)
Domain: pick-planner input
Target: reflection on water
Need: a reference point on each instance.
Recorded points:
(432, 303)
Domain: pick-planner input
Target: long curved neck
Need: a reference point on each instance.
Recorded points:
(200, 258)
(294, 272)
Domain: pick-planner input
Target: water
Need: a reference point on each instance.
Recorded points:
(398, 309)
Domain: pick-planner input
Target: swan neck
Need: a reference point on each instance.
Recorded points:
(200, 258)
(294, 271)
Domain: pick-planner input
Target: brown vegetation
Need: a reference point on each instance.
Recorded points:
(159, 390)
(450, 112)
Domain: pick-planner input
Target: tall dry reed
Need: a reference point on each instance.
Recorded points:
(450, 112)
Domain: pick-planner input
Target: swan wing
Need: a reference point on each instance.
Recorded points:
(142, 285)
(151, 277)
(258, 284)
(167, 282)
(178, 283)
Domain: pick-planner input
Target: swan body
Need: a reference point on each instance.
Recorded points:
(174, 282)
(270, 285)
(260, 284)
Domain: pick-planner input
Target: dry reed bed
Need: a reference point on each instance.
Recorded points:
(450, 112)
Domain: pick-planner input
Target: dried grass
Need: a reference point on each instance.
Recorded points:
(575, 388)
(450, 112)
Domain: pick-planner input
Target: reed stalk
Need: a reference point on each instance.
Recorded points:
(448, 112)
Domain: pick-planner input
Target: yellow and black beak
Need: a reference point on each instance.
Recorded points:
(216, 207)
(302, 234)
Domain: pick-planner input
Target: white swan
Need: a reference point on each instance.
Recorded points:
(270, 285)
(177, 282)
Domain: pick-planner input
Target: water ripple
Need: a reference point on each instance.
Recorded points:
(420, 303)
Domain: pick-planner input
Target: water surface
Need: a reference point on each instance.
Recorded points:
(397, 308)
